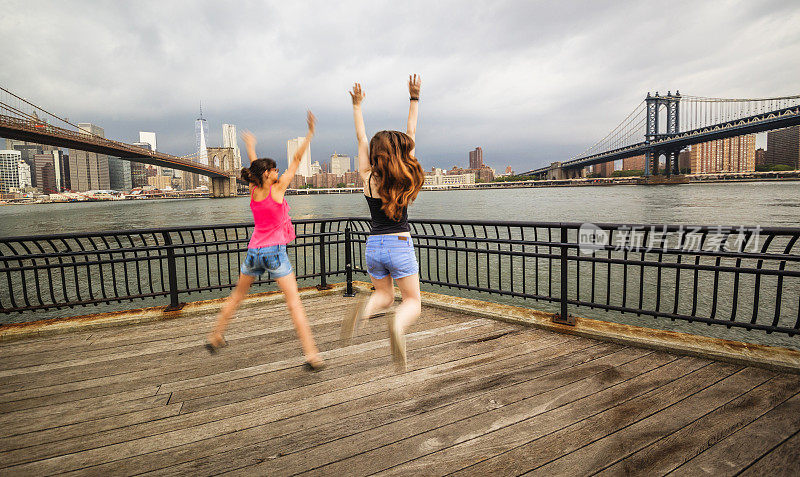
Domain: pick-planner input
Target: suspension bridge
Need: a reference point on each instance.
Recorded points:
(22, 120)
(662, 125)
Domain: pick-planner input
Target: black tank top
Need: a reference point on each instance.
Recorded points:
(381, 223)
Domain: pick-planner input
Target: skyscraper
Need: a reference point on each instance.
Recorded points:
(45, 171)
(201, 134)
(120, 174)
(305, 164)
(139, 169)
(735, 154)
(339, 164)
(88, 170)
(229, 139)
(9, 170)
(783, 147)
(476, 158)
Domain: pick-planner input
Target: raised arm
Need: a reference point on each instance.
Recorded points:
(414, 85)
(286, 177)
(361, 133)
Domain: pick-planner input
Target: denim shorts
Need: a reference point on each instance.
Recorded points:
(391, 255)
(273, 260)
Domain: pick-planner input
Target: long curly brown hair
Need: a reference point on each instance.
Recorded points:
(399, 174)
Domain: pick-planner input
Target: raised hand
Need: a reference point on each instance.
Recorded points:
(312, 122)
(357, 95)
(414, 85)
(249, 139)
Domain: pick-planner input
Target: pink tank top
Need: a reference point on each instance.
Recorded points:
(273, 224)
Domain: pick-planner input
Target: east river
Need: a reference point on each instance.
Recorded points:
(728, 204)
(751, 203)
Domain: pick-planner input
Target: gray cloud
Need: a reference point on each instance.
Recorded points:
(530, 82)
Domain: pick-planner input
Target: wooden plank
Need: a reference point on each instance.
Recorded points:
(362, 411)
(84, 411)
(192, 365)
(90, 343)
(589, 445)
(245, 316)
(459, 447)
(359, 446)
(148, 358)
(748, 444)
(783, 460)
(24, 447)
(664, 455)
(204, 424)
(438, 348)
(344, 419)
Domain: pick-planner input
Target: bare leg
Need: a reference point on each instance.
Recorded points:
(409, 309)
(288, 286)
(228, 309)
(406, 313)
(382, 298)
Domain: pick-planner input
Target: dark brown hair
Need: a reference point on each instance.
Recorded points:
(399, 175)
(255, 173)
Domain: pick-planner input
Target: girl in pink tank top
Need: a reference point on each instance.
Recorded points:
(266, 251)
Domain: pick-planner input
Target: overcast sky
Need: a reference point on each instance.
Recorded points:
(529, 82)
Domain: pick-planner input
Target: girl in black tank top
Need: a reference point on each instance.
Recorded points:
(389, 156)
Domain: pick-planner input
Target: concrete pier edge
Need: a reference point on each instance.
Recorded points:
(749, 354)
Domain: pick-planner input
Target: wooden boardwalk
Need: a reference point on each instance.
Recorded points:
(480, 398)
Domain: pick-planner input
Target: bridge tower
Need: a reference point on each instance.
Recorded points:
(223, 158)
(653, 107)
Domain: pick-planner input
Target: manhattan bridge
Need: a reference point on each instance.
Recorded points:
(662, 125)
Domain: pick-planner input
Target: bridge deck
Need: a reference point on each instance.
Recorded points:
(481, 397)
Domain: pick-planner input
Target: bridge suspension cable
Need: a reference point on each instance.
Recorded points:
(697, 112)
(630, 131)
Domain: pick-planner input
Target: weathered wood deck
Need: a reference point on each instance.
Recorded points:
(481, 397)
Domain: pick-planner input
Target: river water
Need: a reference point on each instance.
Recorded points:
(729, 204)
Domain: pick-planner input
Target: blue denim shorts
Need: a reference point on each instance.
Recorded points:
(391, 255)
(273, 260)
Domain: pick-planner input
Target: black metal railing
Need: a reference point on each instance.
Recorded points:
(744, 278)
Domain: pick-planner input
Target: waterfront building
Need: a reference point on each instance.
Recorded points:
(685, 161)
(61, 167)
(761, 157)
(139, 169)
(339, 164)
(604, 169)
(326, 180)
(635, 163)
(229, 139)
(298, 182)
(44, 169)
(89, 170)
(28, 153)
(353, 179)
(735, 154)
(120, 174)
(449, 179)
(783, 147)
(484, 174)
(476, 158)
(292, 145)
(160, 182)
(9, 170)
(24, 172)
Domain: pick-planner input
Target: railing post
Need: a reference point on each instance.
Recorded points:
(323, 276)
(172, 270)
(564, 317)
(348, 261)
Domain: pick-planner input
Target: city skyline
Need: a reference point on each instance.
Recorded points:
(542, 106)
